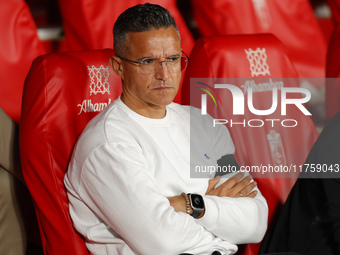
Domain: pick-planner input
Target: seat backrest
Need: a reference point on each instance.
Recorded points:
(19, 46)
(88, 25)
(92, 27)
(333, 75)
(335, 9)
(62, 92)
(292, 21)
(247, 57)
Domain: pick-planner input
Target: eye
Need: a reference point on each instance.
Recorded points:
(173, 59)
(147, 61)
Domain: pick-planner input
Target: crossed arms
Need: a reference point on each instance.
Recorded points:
(130, 202)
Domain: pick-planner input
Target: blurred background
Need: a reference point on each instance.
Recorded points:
(308, 29)
(45, 26)
(49, 21)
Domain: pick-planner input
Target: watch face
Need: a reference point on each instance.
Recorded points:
(197, 201)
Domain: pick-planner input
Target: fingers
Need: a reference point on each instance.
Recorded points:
(248, 189)
(245, 186)
(236, 186)
(252, 194)
(212, 184)
(232, 181)
(226, 188)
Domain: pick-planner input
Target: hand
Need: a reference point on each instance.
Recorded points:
(233, 187)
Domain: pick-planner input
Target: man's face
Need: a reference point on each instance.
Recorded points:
(160, 87)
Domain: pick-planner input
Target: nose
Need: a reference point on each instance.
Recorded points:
(162, 71)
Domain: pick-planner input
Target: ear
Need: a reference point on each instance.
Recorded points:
(116, 64)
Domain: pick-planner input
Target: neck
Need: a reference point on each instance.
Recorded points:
(144, 109)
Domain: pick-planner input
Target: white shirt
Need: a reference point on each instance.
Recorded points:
(125, 166)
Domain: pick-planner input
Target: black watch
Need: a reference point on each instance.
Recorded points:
(197, 204)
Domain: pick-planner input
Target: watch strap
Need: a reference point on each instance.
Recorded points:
(196, 213)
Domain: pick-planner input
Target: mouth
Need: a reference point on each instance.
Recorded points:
(163, 88)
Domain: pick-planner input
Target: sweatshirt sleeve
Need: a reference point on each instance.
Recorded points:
(116, 185)
(235, 220)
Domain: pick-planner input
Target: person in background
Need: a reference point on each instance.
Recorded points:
(13, 192)
(19, 232)
(310, 220)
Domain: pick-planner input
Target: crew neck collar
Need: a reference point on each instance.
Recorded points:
(140, 118)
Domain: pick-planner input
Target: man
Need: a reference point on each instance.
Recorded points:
(129, 177)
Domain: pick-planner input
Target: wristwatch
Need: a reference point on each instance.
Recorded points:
(197, 204)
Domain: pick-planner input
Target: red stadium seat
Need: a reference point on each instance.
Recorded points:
(292, 21)
(333, 64)
(327, 27)
(88, 24)
(335, 9)
(62, 92)
(19, 46)
(333, 71)
(249, 57)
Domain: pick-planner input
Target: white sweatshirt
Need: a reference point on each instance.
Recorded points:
(125, 166)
